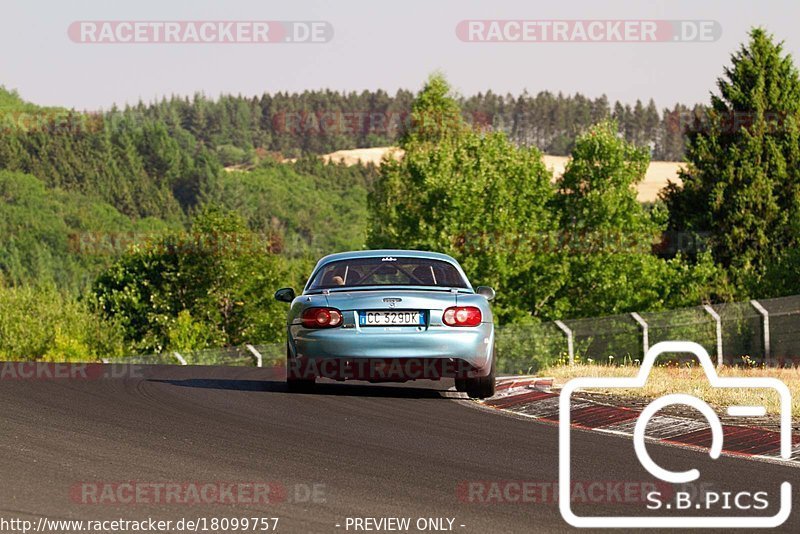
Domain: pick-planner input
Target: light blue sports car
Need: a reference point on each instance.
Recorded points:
(390, 315)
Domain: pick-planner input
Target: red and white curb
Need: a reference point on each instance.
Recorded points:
(513, 385)
(531, 397)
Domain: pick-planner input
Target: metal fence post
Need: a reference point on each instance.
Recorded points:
(645, 340)
(180, 358)
(256, 355)
(570, 341)
(765, 314)
(717, 320)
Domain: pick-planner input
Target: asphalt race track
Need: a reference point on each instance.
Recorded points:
(368, 451)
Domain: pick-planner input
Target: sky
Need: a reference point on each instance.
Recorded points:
(375, 45)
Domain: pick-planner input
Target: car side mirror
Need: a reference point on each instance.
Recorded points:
(285, 294)
(486, 291)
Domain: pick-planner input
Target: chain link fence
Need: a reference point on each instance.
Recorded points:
(755, 333)
(248, 355)
(764, 332)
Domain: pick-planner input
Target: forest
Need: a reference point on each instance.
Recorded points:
(168, 225)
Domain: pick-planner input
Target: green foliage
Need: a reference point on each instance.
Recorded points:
(306, 208)
(526, 348)
(320, 122)
(186, 334)
(610, 264)
(781, 275)
(583, 250)
(597, 190)
(45, 324)
(230, 155)
(141, 166)
(44, 233)
(742, 185)
(470, 185)
(11, 101)
(435, 115)
(221, 274)
(464, 193)
(610, 236)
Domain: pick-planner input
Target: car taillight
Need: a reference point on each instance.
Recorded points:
(462, 316)
(321, 318)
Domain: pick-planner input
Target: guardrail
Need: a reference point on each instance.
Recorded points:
(248, 355)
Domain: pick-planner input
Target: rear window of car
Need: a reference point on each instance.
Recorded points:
(387, 271)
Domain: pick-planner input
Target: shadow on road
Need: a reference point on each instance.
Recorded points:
(323, 388)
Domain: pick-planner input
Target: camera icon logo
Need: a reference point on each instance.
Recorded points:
(651, 466)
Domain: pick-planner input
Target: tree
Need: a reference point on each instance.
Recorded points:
(42, 323)
(596, 191)
(470, 194)
(208, 288)
(742, 184)
(608, 236)
(671, 140)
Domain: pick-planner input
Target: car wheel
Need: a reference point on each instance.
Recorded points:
(297, 381)
(300, 386)
(461, 385)
(481, 387)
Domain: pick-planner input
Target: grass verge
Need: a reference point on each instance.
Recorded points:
(691, 380)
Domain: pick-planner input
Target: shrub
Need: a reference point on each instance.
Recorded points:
(41, 323)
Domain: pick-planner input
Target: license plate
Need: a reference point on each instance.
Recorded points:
(391, 318)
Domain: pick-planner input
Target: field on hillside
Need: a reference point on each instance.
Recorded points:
(658, 173)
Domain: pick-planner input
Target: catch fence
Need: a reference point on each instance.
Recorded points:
(759, 332)
(763, 332)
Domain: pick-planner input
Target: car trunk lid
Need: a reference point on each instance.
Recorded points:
(389, 299)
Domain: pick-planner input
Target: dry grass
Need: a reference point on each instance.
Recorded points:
(656, 178)
(373, 155)
(658, 173)
(664, 380)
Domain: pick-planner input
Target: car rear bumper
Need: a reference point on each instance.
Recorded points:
(453, 348)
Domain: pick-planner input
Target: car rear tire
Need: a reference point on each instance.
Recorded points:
(461, 385)
(294, 383)
(481, 387)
